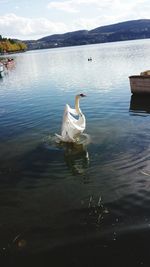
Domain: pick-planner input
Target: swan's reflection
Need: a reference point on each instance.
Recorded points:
(77, 162)
(140, 103)
(76, 157)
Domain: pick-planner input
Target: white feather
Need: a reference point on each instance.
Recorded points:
(72, 127)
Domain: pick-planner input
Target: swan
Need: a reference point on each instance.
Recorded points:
(72, 127)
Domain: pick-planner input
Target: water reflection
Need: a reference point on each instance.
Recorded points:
(51, 193)
(76, 157)
(140, 103)
(56, 160)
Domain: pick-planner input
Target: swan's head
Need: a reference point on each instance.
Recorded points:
(82, 95)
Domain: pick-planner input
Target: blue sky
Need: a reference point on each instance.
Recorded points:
(33, 19)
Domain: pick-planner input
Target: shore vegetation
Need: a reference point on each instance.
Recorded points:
(8, 45)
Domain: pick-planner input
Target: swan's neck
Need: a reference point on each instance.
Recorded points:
(77, 107)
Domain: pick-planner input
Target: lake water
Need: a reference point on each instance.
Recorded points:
(86, 205)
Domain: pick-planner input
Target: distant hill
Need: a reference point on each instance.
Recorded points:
(128, 30)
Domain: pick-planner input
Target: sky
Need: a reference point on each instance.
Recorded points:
(34, 19)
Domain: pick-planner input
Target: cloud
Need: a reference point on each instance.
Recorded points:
(27, 28)
(71, 5)
(108, 12)
(65, 6)
(74, 5)
(118, 8)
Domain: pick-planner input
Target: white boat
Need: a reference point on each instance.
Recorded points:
(1, 70)
(140, 84)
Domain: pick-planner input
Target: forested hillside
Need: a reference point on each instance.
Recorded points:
(128, 30)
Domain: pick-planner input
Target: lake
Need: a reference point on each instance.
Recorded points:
(84, 205)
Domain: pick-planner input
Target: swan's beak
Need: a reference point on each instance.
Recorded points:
(82, 95)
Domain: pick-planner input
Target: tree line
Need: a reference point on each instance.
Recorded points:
(9, 45)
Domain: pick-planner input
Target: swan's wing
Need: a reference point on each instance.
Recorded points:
(71, 110)
(75, 127)
(79, 124)
(82, 121)
(71, 126)
(67, 124)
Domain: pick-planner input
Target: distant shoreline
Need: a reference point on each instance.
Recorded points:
(123, 31)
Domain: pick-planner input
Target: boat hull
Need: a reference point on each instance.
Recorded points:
(140, 84)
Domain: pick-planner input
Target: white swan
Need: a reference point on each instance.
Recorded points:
(72, 127)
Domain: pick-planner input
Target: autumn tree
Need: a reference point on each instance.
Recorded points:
(10, 45)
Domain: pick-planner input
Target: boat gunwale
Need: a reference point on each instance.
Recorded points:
(140, 76)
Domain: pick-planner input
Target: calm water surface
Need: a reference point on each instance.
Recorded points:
(82, 205)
